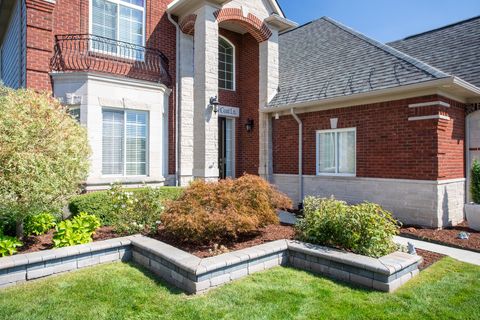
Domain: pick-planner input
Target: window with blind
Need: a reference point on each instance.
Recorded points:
(336, 152)
(121, 20)
(124, 143)
(226, 65)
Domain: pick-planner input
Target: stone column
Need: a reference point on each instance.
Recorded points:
(269, 80)
(205, 164)
(186, 94)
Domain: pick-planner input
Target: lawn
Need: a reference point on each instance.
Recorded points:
(449, 289)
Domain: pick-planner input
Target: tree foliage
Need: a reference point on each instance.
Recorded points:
(43, 154)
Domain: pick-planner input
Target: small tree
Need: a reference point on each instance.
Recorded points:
(43, 154)
(475, 182)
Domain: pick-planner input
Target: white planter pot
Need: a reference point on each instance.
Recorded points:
(472, 212)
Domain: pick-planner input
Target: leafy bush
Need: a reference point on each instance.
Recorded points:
(39, 224)
(101, 203)
(221, 211)
(77, 230)
(364, 228)
(43, 154)
(475, 182)
(8, 245)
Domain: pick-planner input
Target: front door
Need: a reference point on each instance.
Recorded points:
(226, 143)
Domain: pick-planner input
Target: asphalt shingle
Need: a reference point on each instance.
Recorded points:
(325, 59)
(454, 49)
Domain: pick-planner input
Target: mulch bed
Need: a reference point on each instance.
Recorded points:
(429, 258)
(448, 236)
(267, 234)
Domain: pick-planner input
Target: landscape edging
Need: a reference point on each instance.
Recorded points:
(195, 275)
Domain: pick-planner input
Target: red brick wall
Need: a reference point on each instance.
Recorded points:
(45, 20)
(388, 145)
(246, 97)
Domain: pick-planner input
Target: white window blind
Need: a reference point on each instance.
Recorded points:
(121, 20)
(226, 66)
(125, 139)
(336, 152)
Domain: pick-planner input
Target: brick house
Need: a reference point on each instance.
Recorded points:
(170, 91)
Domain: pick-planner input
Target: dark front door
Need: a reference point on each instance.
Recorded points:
(225, 147)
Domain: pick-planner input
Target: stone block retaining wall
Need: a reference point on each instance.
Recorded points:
(195, 275)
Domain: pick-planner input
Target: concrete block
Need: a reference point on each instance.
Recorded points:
(13, 275)
(339, 274)
(273, 262)
(239, 273)
(363, 281)
(319, 268)
(140, 259)
(110, 257)
(82, 263)
(220, 280)
(252, 268)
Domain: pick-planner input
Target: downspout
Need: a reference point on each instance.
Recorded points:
(300, 157)
(177, 72)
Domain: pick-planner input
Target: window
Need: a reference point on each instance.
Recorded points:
(226, 65)
(336, 152)
(124, 143)
(75, 113)
(121, 20)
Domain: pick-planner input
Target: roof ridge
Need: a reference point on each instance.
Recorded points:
(400, 55)
(437, 29)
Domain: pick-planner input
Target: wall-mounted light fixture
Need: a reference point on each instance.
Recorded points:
(214, 103)
(249, 125)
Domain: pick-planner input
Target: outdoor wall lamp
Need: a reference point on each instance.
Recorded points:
(249, 125)
(214, 103)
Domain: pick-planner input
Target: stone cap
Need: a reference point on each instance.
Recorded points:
(47, 255)
(387, 265)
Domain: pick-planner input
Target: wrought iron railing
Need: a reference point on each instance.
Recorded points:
(86, 52)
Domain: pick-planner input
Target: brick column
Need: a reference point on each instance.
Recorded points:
(269, 79)
(39, 22)
(205, 164)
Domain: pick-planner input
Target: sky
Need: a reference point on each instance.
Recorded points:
(384, 20)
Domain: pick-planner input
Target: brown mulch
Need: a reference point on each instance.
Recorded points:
(429, 258)
(267, 234)
(447, 236)
(45, 241)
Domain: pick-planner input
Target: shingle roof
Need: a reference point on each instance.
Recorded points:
(324, 59)
(454, 49)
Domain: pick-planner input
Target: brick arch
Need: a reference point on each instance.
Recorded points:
(187, 25)
(251, 23)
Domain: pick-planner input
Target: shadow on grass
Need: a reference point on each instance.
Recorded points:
(157, 279)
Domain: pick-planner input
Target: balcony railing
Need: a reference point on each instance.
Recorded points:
(86, 52)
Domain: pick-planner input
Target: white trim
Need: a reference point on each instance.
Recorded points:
(428, 104)
(317, 145)
(234, 66)
(446, 84)
(76, 76)
(436, 116)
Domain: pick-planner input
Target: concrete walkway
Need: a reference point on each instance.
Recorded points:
(459, 254)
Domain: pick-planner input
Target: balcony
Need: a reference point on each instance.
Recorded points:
(86, 52)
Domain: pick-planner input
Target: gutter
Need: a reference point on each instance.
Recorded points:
(300, 157)
(446, 82)
(177, 69)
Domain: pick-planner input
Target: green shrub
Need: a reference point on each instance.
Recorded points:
(77, 230)
(101, 203)
(43, 154)
(136, 211)
(40, 223)
(365, 228)
(9, 245)
(222, 211)
(475, 182)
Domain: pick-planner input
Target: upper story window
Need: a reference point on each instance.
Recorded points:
(336, 152)
(226, 64)
(122, 20)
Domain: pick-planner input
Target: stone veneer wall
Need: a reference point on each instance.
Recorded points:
(195, 275)
(416, 202)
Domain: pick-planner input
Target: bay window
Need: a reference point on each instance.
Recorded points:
(336, 152)
(124, 142)
(121, 20)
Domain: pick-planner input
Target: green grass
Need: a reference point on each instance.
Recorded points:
(447, 290)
